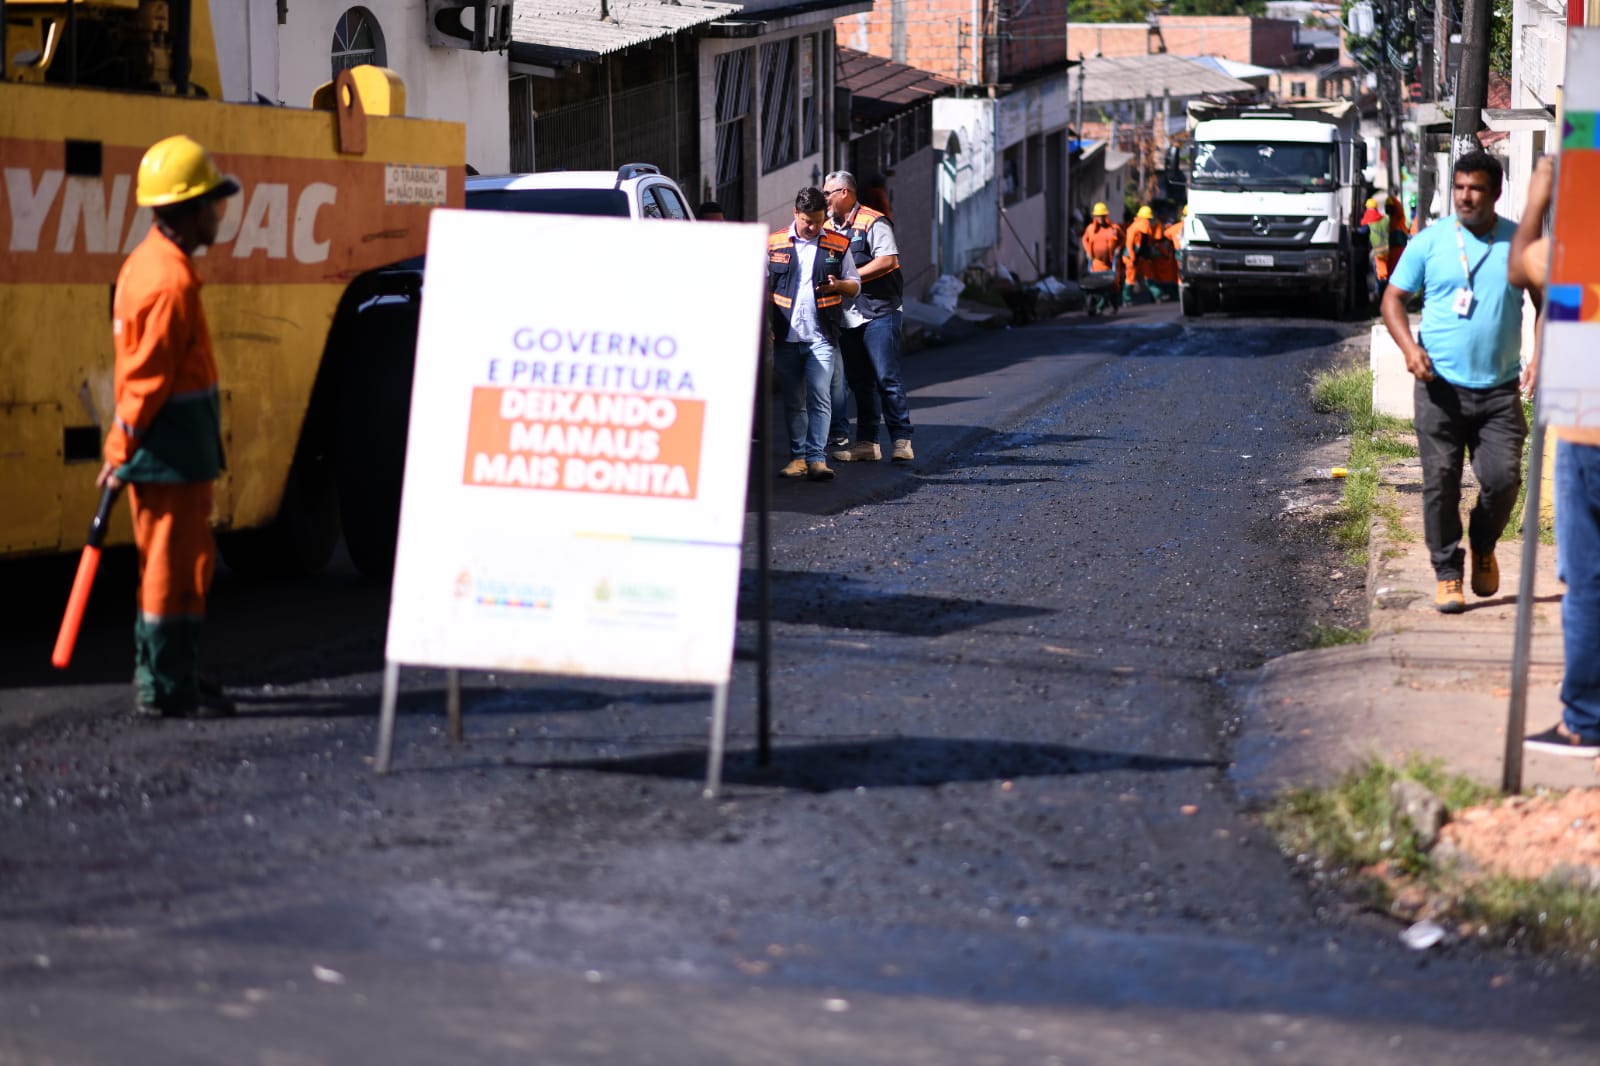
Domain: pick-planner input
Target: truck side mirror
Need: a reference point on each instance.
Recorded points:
(1176, 177)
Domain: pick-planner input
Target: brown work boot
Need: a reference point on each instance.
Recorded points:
(818, 472)
(1447, 599)
(1485, 574)
(864, 451)
(796, 468)
(902, 450)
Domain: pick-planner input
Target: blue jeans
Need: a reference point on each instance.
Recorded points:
(1578, 560)
(872, 365)
(805, 381)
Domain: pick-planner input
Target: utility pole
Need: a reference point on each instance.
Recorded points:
(1472, 79)
(1078, 125)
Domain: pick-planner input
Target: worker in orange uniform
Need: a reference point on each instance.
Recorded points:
(1399, 232)
(165, 443)
(1376, 223)
(1102, 248)
(1140, 247)
(1164, 264)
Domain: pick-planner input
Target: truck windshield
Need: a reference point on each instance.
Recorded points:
(1252, 165)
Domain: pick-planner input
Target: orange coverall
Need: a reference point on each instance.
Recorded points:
(1102, 239)
(1139, 230)
(1164, 267)
(165, 442)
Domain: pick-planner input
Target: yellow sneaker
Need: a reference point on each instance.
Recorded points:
(1448, 599)
(1485, 574)
(902, 451)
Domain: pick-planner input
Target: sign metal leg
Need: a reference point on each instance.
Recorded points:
(452, 703)
(391, 693)
(719, 740)
(1522, 642)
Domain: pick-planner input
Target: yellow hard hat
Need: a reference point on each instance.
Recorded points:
(1145, 212)
(1372, 203)
(179, 169)
(1101, 209)
(1185, 211)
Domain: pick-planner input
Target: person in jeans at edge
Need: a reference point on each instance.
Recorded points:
(809, 276)
(1467, 362)
(1577, 514)
(871, 338)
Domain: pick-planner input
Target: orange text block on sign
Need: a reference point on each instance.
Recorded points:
(565, 441)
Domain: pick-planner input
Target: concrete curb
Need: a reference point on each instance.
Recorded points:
(1424, 685)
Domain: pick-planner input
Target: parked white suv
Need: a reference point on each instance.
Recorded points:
(637, 190)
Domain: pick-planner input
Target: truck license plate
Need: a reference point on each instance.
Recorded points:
(1258, 260)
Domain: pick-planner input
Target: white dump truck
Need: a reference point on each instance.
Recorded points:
(1275, 198)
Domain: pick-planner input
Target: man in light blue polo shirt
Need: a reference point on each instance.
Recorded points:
(1467, 362)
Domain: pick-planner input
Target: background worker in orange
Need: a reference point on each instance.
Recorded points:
(1141, 249)
(1164, 263)
(165, 443)
(1102, 240)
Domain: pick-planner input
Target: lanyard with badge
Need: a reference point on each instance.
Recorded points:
(1462, 305)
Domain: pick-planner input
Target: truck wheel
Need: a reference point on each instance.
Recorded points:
(370, 447)
(1193, 305)
(302, 538)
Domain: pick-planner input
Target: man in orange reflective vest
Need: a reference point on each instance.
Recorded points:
(869, 342)
(1141, 249)
(809, 273)
(165, 443)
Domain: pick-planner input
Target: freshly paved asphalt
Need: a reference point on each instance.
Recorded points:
(998, 827)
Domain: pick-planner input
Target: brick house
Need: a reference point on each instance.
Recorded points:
(1262, 42)
(891, 132)
(1001, 184)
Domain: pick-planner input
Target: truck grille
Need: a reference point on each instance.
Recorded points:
(1260, 231)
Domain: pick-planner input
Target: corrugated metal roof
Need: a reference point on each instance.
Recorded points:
(1232, 68)
(1108, 78)
(881, 88)
(572, 29)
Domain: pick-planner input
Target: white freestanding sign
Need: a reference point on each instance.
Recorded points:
(578, 449)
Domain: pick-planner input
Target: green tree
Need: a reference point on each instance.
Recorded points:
(1217, 7)
(1111, 10)
(1500, 40)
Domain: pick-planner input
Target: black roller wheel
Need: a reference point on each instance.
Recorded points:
(374, 404)
(301, 539)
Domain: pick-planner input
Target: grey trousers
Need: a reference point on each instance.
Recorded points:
(1489, 424)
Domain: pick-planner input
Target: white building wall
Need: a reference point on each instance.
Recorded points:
(246, 36)
(454, 84)
(1538, 64)
(775, 191)
(968, 186)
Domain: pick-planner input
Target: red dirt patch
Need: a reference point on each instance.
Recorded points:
(1527, 837)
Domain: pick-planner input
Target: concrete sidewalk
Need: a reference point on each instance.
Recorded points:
(1425, 684)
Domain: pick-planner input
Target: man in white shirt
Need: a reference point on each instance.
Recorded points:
(804, 318)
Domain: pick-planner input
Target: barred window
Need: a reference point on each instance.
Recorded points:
(357, 39)
(778, 92)
(810, 97)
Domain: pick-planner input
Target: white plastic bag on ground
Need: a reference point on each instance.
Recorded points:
(944, 292)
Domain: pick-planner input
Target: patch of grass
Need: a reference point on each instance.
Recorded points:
(1374, 438)
(1543, 915)
(1354, 824)
(1324, 635)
